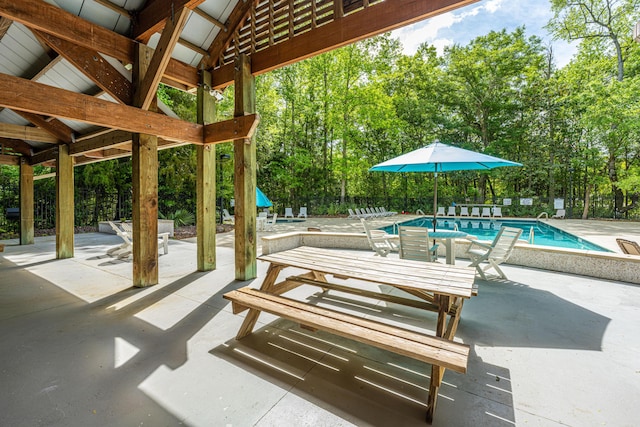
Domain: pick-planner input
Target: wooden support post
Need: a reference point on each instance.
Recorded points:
(144, 158)
(64, 203)
(206, 181)
(245, 175)
(26, 203)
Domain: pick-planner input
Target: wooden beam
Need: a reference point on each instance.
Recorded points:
(9, 160)
(100, 142)
(206, 182)
(376, 19)
(151, 19)
(39, 15)
(54, 126)
(16, 145)
(26, 203)
(237, 17)
(244, 152)
(92, 65)
(114, 7)
(242, 127)
(4, 26)
(64, 203)
(26, 133)
(25, 95)
(193, 47)
(146, 92)
(210, 18)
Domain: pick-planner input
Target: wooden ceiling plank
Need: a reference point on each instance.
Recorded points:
(94, 66)
(193, 47)
(146, 93)
(54, 126)
(376, 19)
(26, 133)
(39, 15)
(151, 19)
(25, 95)
(237, 17)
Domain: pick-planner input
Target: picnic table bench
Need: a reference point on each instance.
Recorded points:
(439, 288)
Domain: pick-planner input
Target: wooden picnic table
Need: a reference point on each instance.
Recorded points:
(439, 288)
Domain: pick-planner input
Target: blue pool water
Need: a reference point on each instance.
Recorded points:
(486, 229)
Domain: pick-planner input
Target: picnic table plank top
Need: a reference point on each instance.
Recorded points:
(424, 276)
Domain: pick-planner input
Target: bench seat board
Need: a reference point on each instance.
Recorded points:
(433, 350)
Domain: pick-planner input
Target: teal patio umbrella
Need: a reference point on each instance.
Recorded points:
(439, 157)
(262, 201)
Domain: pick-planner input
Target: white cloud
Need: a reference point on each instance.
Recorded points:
(465, 24)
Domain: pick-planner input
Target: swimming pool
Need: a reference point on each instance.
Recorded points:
(486, 229)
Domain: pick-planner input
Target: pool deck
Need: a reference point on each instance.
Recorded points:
(81, 347)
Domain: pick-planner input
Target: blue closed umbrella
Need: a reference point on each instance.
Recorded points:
(262, 201)
(439, 157)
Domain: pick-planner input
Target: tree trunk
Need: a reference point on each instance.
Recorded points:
(587, 199)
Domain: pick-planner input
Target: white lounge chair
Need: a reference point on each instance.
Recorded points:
(414, 244)
(303, 212)
(475, 211)
(497, 212)
(226, 217)
(389, 213)
(495, 253)
(163, 238)
(378, 240)
(124, 250)
(486, 212)
(288, 212)
(560, 213)
(451, 211)
(440, 211)
(352, 214)
(464, 211)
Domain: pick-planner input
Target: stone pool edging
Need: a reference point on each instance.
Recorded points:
(611, 266)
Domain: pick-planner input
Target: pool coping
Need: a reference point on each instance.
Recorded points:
(610, 266)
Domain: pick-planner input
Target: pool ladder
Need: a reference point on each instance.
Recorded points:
(531, 235)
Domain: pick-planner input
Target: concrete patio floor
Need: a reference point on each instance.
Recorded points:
(80, 347)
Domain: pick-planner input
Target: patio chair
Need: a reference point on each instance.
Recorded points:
(378, 240)
(226, 217)
(414, 244)
(288, 212)
(268, 225)
(497, 212)
(486, 212)
(495, 253)
(440, 211)
(464, 211)
(451, 211)
(303, 212)
(628, 247)
(560, 213)
(389, 213)
(352, 214)
(475, 211)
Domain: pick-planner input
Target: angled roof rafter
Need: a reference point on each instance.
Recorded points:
(235, 21)
(151, 19)
(37, 14)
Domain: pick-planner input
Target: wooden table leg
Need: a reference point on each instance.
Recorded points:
(437, 372)
(252, 316)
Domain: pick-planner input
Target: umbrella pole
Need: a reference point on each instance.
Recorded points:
(435, 199)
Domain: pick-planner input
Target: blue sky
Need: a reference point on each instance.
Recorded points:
(464, 24)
